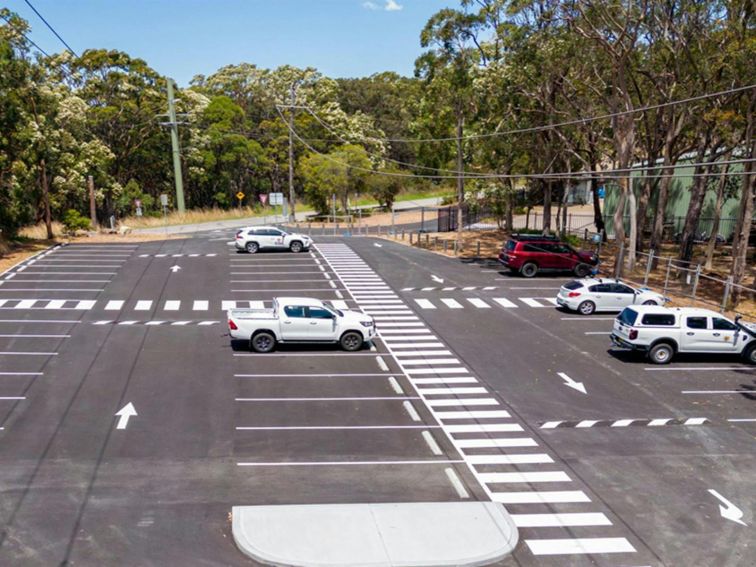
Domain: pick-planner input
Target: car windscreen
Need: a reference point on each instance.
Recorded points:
(510, 245)
(573, 285)
(628, 316)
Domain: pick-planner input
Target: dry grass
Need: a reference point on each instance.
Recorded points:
(39, 232)
(15, 252)
(193, 216)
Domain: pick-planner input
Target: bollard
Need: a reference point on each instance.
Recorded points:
(410, 239)
(666, 278)
(427, 240)
(648, 266)
(402, 234)
(726, 296)
(695, 280)
(477, 249)
(446, 246)
(585, 236)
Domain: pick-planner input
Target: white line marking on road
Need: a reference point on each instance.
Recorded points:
(172, 305)
(456, 483)
(381, 363)
(543, 497)
(466, 402)
(442, 380)
(338, 294)
(124, 414)
(451, 303)
(717, 391)
(85, 304)
(588, 319)
(569, 382)
(21, 373)
(55, 304)
(114, 305)
(200, 305)
(180, 323)
(560, 520)
(484, 428)
(424, 304)
(658, 422)
(699, 368)
(587, 423)
(330, 427)
(35, 336)
(426, 361)
(622, 423)
(355, 399)
(504, 302)
(128, 322)
(155, 323)
(530, 302)
(12, 398)
(479, 303)
(597, 333)
(525, 459)
(495, 444)
(56, 321)
(330, 375)
(746, 419)
(21, 353)
(477, 414)
(349, 463)
(410, 409)
(525, 477)
(395, 385)
(413, 345)
(435, 449)
(570, 546)
(143, 305)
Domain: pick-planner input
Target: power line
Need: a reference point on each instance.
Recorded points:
(606, 175)
(52, 29)
(569, 122)
(10, 23)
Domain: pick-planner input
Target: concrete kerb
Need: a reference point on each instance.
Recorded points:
(375, 535)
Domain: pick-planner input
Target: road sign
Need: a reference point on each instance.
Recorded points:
(139, 211)
(276, 199)
(164, 199)
(240, 195)
(263, 197)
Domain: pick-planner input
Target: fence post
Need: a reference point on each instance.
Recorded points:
(695, 281)
(585, 237)
(422, 219)
(410, 238)
(435, 242)
(402, 234)
(726, 296)
(427, 240)
(620, 260)
(446, 245)
(455, 247)
(393, 215)
(648, 266)
(477, 249)
(666, 278)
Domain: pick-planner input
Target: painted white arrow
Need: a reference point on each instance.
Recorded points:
(571, 383)
(124, 414)
(729, 510)
(437, 279)
(174, 269)
(377, 245)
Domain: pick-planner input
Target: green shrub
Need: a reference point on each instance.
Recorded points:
(74, 221)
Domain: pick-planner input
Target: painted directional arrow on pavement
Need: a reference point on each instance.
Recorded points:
(124, 414)
(571, 383)
(729, 511)
(174, 269)
(377, 245)
(437, 279)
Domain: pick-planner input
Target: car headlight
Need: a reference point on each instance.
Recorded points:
(367, 323)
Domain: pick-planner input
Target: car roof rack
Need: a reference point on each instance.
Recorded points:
(524, 237)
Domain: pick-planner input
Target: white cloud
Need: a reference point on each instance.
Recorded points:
(390, 6)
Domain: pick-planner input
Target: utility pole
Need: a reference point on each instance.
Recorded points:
(176, 149)
(46, 199)
(92, 204)
(293, 94)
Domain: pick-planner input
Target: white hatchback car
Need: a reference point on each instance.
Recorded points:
(601, 294)
(255, 238)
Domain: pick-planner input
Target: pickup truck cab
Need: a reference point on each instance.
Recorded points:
(300, 320)
(662, 332)
(252, 239)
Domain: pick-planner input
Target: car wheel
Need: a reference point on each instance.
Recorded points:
(750, 354)
(296, 246)
(351, 341)
(263, 342)
(252, 247)
(582, 270)
(587, 308)
(650, 302)
(661, 353)
(529, 269)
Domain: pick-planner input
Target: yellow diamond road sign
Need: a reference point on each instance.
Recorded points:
(240, 195)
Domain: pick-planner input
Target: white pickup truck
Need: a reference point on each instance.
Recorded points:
(662, 332)
(300, 320)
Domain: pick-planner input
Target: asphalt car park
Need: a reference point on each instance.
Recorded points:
(480, 391)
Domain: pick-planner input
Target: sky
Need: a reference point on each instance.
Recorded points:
(182, 38)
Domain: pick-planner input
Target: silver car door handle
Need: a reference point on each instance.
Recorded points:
(287, 322)
(313, 322)
(717, 334)
(690, 334)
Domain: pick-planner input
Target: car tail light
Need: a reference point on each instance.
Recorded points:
(232, 325)
(573, 294)
(238, 236)
(633, 334)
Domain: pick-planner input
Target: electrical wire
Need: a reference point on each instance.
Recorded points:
(10, 24)
(581, 175)
(567, 123)
(52, 29)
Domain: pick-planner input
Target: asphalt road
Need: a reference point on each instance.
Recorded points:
(463, 397)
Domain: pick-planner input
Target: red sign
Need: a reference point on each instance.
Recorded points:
(263, 198)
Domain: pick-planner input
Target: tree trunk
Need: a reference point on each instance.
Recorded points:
(624, 143)
(649, 182)
(712, 244)
(460, 179)
(46, 200)
(669, 159)
(510, 207)
(565, 197)
(745, 216)
(598, 218)
(546, 206)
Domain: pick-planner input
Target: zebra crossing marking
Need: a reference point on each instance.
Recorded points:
(464, 288)
(435, 384)
(180, 255)
(588, 423)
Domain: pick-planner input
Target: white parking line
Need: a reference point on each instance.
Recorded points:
(21, 353)
(523, 459)
(349, 463)
(584, 545)
(570, 519)
(494, 444)
(357, 399)
(143, 305)
(381, 363)
(485, 428)
(330, 427)
(36, 336)
(51, 321)
(543, 497)
(410, 409)
(21, 373)
(200, 305)
(697, 368)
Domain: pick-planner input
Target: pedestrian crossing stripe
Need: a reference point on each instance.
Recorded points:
(588, 423)
(465, 288)
(157, 323)
(453, 394)
(180, 255)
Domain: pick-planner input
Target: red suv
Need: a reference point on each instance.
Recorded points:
(530, 254)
